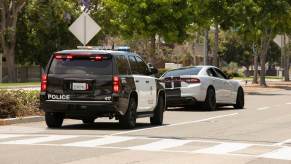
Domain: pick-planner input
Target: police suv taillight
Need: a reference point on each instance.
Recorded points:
(116, 84)
(43, 86)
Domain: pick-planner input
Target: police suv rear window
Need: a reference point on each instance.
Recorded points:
(183, 71)
(96, 65)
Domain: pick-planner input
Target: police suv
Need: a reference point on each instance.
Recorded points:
(86, 84)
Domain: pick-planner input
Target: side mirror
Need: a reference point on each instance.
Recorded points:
(152, 69)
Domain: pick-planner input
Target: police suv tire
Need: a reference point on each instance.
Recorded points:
(54, 120)
(240, 100)
(158, 117)
(210, 101)
(128, 120)
(88, 120)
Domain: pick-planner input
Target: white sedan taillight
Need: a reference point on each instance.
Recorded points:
(191, 80)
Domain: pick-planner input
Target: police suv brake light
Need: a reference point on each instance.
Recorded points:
(63, 57)
(43, 83)
(98, 58)
(116, 84)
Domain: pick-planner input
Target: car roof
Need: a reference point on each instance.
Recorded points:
(198, 66)
(94, 51)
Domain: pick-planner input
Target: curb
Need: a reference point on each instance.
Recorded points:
(19, 120)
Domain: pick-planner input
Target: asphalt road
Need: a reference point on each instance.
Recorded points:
(261, 133)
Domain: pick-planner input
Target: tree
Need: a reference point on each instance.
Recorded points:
(44, 30)
(261, 21)
(10, 9)
(151, 19)
(215, 14)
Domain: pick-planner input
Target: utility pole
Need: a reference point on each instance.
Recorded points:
(205, 61)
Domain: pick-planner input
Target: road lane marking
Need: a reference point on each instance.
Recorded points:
(282, 153)
(263, 108)
(160, 145)
(6, 136)
(39, 139)
(100, 141)
(288, 103)
(282, 143)
(223, 148)
(176, 124)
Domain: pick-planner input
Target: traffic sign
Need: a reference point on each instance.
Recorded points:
(84, 28)
(280, 39)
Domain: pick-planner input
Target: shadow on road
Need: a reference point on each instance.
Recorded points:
(264, 94)
(113, 126)
(198, 109)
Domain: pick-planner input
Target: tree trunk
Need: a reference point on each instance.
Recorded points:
(263, 55)
(205, 59)
(10, 60)
(263, 70)
(152, 54)
(286, 60)
(215, 49)
(256, 65)
(9, 14)
(287, 67)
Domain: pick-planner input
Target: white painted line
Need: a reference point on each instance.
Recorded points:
(282, 153)
(160, 145)
(39, 139)
(288, 103)
(223, 148)
(99, 141)
(5, 136)
(283, 142)
(177, 124)
(264, 108)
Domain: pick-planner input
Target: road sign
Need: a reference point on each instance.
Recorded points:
(279, 40)
(84, 28)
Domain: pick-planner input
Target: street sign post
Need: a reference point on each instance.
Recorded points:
(84, 28)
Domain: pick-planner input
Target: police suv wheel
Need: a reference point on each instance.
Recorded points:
(54, 120)
(158, 117)
(210, 101)
(128, 120)
(240, 100)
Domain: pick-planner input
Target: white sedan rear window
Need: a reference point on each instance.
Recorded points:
(183, 71)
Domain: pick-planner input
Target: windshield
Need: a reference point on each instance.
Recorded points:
(183, 71)
(81, 66)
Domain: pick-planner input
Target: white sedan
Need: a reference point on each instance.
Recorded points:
(205, 85)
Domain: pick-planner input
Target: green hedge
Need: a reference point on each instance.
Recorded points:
(19, 103)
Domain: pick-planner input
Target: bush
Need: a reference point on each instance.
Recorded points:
(232, 69)
(19, 103)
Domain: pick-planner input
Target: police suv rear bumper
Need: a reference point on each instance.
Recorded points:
(79, 107)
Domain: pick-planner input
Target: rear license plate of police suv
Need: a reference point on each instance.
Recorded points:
(80, 86)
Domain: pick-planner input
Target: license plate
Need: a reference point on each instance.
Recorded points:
(80, 86)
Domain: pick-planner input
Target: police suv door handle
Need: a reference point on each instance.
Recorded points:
(147, 81)
(137, 81)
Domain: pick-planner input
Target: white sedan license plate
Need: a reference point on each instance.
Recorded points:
(79, 86)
